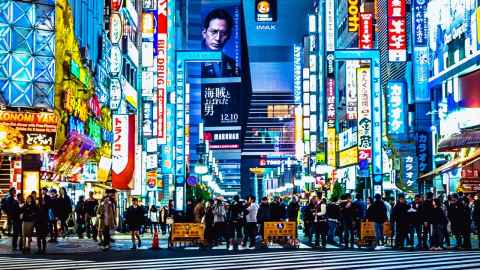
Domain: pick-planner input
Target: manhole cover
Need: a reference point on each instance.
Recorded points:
(68, 246)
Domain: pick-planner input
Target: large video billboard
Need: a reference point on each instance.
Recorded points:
(221, 84)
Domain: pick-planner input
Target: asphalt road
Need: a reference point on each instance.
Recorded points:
(248, 259)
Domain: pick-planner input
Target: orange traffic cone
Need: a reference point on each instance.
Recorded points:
(155, 241)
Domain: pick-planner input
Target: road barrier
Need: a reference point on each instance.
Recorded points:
(184, 234)
(367, 233)
(281, 232)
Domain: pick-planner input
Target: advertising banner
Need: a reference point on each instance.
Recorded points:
(266, 10)
(397, 31)
(351, 88)
(348, 157)
(221, 104)
(330, 25)
(229, 42)
(331, 147)
(347, 139)
(353, 12)
(347, 176)
(409, 174)
(123, 152)
(147, 118)
(162, 63)
(424, 152)
(364, 114)
(365, 31)
(421, 74)
(331, 102)
(420, 23)
(297, 73)
(396, 108)
(29, 131)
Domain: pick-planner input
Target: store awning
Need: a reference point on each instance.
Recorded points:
(456, 163)
(461, 140)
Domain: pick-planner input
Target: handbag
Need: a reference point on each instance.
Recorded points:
(169, 220)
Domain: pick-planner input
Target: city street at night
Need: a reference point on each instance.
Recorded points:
(239, 134)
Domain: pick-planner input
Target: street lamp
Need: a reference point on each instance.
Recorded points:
(200, 169)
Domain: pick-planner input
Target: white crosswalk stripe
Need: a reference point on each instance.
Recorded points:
(295, 259)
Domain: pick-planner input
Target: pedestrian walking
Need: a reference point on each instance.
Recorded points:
(320, 222)
(251, 220)
(80, 213)
(308, 216)
(378, 214)
(219, 215)
(235, 222)
(437, 221)
(459, 216)
(12, 209)
(28, 214)
(65, 210)
(416, 222)
(154, 217)
(400, 221)
(333, 216)
(263, 215)
(41, 225)
(135, 221)
(349, 213)
(91, 205)
(208, 221)
(106, 214)
(163, 215)
(476, 218)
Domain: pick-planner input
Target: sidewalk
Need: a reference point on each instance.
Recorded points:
(73, 244)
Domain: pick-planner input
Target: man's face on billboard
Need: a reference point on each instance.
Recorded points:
(216, 35)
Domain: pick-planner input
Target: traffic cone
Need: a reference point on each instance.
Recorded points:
(155, 241)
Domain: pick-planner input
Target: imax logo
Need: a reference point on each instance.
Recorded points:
(266, 27)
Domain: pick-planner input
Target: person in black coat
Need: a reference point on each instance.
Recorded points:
(278, 210)
(80, 211)
(333, 216)
(348, 217)
(41, 225)
(378, 214)
(12, 209)
(459, 216)
(416, 222)
(135, 219)
(264, 214)
(399, 219)
(307, 212)
(437, 220)
(64, 210)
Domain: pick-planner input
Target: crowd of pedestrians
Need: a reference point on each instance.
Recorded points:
(421, 223)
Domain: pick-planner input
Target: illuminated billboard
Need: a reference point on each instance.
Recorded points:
(364, 114)
(397, 31)
(396, 108)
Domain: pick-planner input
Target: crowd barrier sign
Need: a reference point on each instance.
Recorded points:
(281, 232)
(187, 233)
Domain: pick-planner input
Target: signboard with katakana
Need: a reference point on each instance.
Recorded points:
(396, 108)
(424, 152)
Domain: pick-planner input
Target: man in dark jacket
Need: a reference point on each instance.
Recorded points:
(278, 210)
(12, 209)
(378, 214)
(399, 219)
(333, 216)
(91, 205)
(307, 213)
(426, 213)
(416, 221)
(349, 213)
(264, 214)
(80, 212)
(135, 219)
(459, 216)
